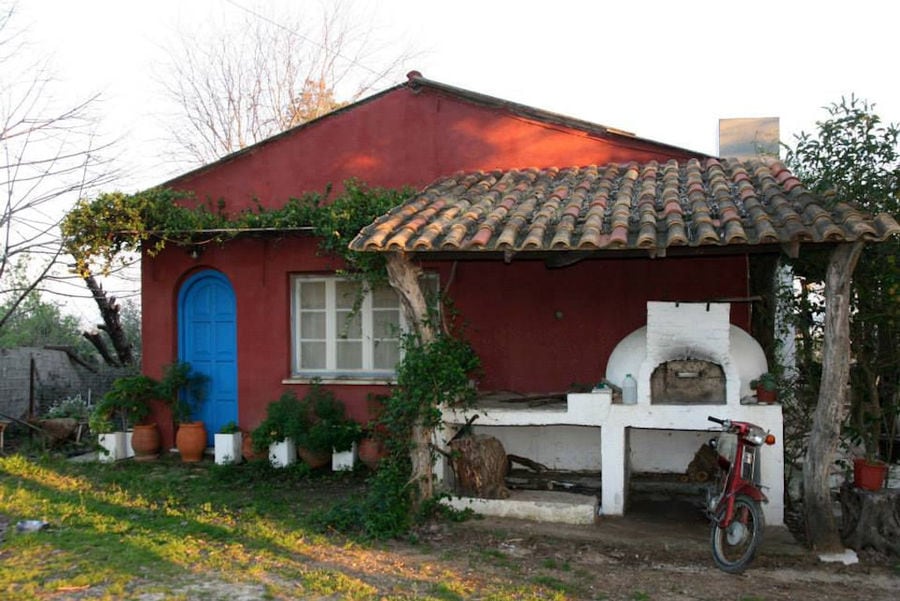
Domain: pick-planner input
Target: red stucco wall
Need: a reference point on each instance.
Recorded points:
(535, 329)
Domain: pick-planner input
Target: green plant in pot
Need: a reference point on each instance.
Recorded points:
(285, 418)
(766, 387)
(123, 408)
(328, 428)
(863, 433)
(184, 390)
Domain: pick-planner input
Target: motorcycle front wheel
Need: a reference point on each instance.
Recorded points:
(734, 546)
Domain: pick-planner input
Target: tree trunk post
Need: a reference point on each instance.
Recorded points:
(404, 276)
(821, 530)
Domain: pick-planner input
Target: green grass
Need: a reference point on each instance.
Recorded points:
(167, 529)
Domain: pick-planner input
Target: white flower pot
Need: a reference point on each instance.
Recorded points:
(228, 448)
(282, 454)
(129, 450)
(344, 460)
(112, 446)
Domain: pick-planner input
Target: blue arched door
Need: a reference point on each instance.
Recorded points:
(207, 339)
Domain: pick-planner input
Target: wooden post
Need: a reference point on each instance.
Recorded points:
(404, 276)
(821, 529)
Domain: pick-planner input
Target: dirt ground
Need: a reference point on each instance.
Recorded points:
(653, 554)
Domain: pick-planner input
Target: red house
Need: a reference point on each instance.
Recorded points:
(239, 300)
(570, 249)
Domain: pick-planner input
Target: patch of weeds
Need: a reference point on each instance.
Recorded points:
(640, 596)
(552, 583)
(552, 564)
(447, 592)
(492, 556)
(329, 582)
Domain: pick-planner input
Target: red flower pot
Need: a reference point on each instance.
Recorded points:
(145, 442)
(191, 441)
(869, 475)
(371, 451)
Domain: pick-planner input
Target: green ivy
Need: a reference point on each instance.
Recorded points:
(429, 375)
(102, 230)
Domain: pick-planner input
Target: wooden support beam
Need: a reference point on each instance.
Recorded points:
(821, 529)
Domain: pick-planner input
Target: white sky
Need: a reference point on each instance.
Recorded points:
(664, 70)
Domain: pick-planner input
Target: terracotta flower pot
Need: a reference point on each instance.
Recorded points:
(869, 475)
(247, 448)
(371, 451)
(191, 441)
(145, 442)
(766, 396)
(314, 459)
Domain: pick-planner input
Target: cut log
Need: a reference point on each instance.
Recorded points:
(870, 519)
(480, 465)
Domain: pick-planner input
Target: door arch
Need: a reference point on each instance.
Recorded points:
(207, 339)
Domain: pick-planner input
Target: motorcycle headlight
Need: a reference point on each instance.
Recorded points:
(756, 436)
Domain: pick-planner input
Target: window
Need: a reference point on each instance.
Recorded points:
(332, 338)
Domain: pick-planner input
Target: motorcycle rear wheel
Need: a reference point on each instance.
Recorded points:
(734, 546)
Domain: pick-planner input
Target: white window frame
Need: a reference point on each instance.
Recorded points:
(330, 372)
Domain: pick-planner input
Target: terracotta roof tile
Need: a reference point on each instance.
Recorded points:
(641, 206)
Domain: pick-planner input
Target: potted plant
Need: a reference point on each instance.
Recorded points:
(228, 444)
(371, 444)
(766, 386)
(125, 406)
(285, 419)
(869, 471)
(183, 390)
(328, 432)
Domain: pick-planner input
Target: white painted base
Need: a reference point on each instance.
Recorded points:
(282, 454)
(342, 461)
(628, 430)
(540, 506)
(112, 447)
(228, 448)
(129, 450)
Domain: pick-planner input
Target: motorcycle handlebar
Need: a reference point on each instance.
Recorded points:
(721, 422)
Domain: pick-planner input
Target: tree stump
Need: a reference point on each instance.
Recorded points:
(479, 464)
(870, 519)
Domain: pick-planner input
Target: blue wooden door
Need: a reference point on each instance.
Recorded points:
(207, 339)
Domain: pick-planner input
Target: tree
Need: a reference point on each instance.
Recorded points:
(237, 84)
(852, 157)
(38, 322)
(49, 157)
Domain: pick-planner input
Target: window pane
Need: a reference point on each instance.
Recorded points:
(387, 354)
(386, 323)
(312, 355)
(384, 297)
(312, 295)
(349, 354)
(347, 327)
(346, 293)
(312, 325)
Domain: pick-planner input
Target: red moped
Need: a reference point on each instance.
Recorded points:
(733, 504)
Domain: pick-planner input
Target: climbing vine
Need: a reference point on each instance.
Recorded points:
(99, 232)
(433, 372)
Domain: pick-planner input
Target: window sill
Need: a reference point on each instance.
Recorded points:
(361, 379)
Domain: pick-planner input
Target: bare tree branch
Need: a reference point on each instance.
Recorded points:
(49, 157)
(238, 84)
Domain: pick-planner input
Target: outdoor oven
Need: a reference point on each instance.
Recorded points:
(688, 354)
(689, 362)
